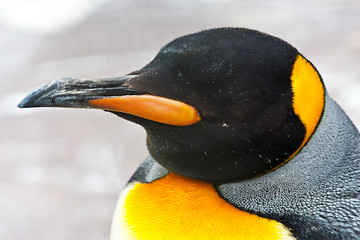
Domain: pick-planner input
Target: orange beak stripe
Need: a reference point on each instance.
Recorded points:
(158, 109)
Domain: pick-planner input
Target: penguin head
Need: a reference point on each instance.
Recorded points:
(219, 105)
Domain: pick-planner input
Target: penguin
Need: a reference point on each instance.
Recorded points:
(244, 141)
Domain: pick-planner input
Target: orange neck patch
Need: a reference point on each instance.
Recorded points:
(176, 207)
(309, 98)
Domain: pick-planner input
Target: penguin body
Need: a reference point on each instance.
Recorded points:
(245, 142)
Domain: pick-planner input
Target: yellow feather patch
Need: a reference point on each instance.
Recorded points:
(309, 95)
(177, 207)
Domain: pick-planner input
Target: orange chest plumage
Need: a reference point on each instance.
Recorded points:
(176, 207)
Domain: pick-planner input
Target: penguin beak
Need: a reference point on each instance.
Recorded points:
(111, 94)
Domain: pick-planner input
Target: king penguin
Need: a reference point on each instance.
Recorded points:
(244, 142)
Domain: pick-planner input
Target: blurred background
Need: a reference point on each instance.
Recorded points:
(61, 170)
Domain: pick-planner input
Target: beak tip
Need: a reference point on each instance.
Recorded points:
(38, 97)
(74, 93)
(21, 104)
(27, 102)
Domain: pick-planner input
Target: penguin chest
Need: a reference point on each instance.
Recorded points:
(176, 207)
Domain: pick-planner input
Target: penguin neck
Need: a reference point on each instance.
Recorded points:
(333, 141)
(315, 177)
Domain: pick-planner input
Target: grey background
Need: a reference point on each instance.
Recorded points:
(61, 170)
